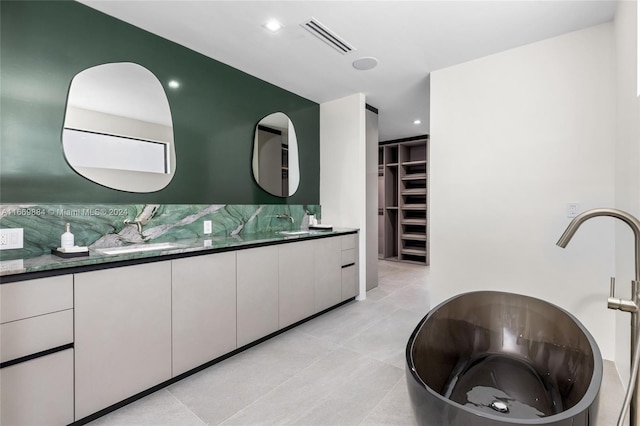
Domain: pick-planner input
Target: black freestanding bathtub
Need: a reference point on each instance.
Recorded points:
(493, 358)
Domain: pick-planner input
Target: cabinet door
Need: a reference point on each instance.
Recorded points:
(326, 272)
(39, 391)
(296, 289)
(257, 293)
(122, 333)
(203, 309)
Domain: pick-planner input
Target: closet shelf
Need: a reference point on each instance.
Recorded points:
(414, 191)
(414, 207)
(414, 176)
(414, 252)
(414, 163)
(414, 221)
(414, 237)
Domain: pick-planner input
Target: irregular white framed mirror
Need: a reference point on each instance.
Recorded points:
(275, 155)
(118, 129)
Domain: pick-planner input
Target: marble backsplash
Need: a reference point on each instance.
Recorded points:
(103, 225)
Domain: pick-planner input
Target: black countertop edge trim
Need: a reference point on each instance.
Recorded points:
(349, 264)
(36, 355)
(7, 279)
(412, 138)
(186, 374)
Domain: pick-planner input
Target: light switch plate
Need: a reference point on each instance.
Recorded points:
(11, 238)
(572, 210)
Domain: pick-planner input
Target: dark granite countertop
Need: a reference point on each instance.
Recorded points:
(41, 266)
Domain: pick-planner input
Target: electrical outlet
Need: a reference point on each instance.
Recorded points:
(11, 238)
(572, 210)
(208, 243)
(207, 226)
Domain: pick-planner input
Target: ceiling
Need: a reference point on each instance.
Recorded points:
(410, 39)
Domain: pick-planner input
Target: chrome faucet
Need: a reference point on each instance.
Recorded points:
(285, 216)
(632, 399)
(143, 218)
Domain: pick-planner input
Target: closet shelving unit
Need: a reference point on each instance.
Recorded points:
(406, 236)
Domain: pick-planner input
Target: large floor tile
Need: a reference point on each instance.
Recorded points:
(348, 321)
(386, 340)
(220, 391)
(394, 409)
(339, 389)
(377, 293)
(158, 409)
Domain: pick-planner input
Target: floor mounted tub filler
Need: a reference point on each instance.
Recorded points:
(495, 358)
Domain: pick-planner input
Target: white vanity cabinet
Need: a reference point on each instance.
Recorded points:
(257, 293)
(296, 289)
(122, 333)
(203, 309)
(36, 333)
(326, 272)
(75, 344)
(349, 262)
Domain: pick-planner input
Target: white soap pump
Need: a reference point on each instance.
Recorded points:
(66, 239)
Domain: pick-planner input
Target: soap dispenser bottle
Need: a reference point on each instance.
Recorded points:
(66, 239)
(306, 220)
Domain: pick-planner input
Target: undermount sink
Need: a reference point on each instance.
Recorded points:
(139, 248)
(301, 232)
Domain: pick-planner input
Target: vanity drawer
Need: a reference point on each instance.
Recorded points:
(27, 299)
(349, 282)
(37, 334)
(349, 241)
(39, 391)
(348, 257)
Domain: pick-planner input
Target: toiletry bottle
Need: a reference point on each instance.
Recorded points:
(66, 240)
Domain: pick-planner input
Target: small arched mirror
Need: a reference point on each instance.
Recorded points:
(118, 130)
(275, 155)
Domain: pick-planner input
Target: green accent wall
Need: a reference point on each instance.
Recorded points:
(44, 44)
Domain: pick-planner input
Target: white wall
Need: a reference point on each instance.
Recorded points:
(516, 136)
(627, 184)
(343, 169)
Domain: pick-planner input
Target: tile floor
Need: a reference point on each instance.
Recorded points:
(345, 367)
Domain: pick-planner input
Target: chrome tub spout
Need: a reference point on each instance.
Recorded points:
(632, 399)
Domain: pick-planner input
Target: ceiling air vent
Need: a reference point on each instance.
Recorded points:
(328, 36)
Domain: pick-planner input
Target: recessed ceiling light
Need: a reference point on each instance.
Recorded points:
(173, 84)
(273, 25)
(417, 121)
(365, 63)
